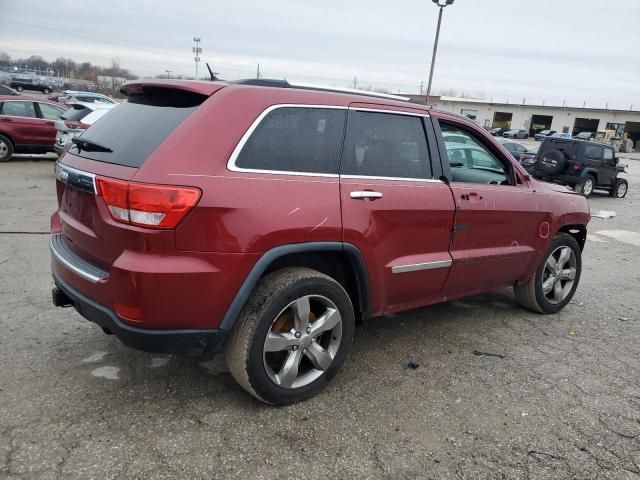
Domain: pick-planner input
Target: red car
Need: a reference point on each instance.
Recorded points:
(269, 218)
(27, 125)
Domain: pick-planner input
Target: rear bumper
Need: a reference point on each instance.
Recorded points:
(182, 341)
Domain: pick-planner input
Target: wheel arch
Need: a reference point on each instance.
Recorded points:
(4, 134)
(577, 231)
(590, 171)
(341, 261)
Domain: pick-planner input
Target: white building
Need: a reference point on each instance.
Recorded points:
(539, 117)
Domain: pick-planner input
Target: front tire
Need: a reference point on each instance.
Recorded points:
(619, 189)
(45, 91)
(556, 279)
(292, 337)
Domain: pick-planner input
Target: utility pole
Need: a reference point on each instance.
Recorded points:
(435, 43)
(355, 82)
(421, 86)
(258, 72)
(197, 51)
(168, 73)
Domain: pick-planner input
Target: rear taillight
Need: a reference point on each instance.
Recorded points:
(155, 206)
(577, 165)
(75, 125)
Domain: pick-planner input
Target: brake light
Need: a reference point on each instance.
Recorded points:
(75, 125)
(577, 165)
(144, 205)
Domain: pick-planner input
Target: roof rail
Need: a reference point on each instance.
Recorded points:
(266, 82)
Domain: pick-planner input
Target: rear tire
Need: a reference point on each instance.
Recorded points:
(45, 91)
(292, 337)
(18, 89)
(6, 149)
(587, 186)
(619, 189)
(540, 294)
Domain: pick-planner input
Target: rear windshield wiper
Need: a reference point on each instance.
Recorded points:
(89, 146)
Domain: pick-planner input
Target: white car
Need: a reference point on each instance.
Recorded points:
(76, 120)
(74, 96)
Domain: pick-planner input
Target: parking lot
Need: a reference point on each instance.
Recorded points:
(498, 392)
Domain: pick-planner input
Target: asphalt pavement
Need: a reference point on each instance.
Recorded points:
(497, 392)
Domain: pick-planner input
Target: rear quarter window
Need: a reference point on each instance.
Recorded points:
(295, 139)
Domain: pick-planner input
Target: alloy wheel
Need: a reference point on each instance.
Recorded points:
(587, 188)
(559, 274)
(4, 149)
(620, 193)
(302, 341)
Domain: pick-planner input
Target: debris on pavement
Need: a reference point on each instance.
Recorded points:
(487, 354)
(413, 365)
(605, 214)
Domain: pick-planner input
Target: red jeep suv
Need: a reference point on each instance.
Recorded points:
(270, 217)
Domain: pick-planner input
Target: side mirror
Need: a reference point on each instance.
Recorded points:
(616, 160)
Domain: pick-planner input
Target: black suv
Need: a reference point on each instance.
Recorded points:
(21, 84)
(583, 165)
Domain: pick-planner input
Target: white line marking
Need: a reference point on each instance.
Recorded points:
(625, 236)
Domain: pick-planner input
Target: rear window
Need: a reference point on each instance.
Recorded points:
(76, 113)
(568, 147)
(133, 130)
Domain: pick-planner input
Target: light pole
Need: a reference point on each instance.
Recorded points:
(197, 51)
(168, 73)
(435, 44)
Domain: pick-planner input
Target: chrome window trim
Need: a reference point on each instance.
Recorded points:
(231, 164)
(393, 112)
(414, 267)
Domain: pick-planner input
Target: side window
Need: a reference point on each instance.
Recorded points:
(19, 109)
(608, 154)
(385, 145)
(472, 162)
(593, 152)
(50, 112)
(296, 139)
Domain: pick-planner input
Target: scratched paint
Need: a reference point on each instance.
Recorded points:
(320, 224)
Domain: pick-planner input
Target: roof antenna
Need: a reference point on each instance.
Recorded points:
(212, 73)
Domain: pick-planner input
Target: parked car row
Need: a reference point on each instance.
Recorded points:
(33, 126)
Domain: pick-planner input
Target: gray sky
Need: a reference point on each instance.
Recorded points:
(551, 50)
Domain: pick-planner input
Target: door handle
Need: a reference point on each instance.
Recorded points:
(471, 197)
(366, 194)
(4, 119)
(49, 123)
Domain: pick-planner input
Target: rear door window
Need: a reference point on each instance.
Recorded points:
(386, 145)
(295, 139)
(133, 130)
(19, 109)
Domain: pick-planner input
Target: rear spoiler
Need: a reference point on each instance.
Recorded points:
(193, 86)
